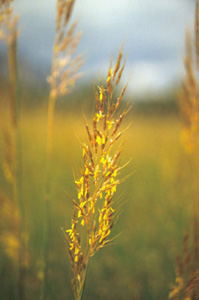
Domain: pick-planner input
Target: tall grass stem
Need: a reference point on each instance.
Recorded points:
(17, 182)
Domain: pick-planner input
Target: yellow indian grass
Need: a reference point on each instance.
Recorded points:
(64, 73)
(9, 224)
(187, 273)
(9, 34)
(189, 102)
(95, 211)
(13, 160)
(65, 66)
(189, 98)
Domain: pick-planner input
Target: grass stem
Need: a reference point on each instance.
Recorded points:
(17, 182)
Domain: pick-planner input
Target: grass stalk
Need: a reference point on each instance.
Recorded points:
(187, 274)
(9, 34)
(47, 211)
(95, 211)
(17, 184)
(64, 73)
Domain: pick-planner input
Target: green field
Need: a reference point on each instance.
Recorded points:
(157, 209)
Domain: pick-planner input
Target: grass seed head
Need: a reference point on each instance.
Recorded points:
(95, 208)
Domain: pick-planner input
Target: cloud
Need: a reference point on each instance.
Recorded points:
(153, 31)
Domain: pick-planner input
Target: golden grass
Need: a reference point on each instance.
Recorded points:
(12, 137)
(64, 73)
(187, 273)
(151, 216)
(95, 210)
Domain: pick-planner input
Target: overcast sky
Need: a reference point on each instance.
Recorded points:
(153, 31)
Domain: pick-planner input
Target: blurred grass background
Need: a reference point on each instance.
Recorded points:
(157, 199)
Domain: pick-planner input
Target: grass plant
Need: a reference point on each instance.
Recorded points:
(95, 210)
(13, 155)
(187, 273)
(133, 269)
(64, 73)
(140, 263)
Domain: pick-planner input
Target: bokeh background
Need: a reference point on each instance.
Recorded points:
(157, 195)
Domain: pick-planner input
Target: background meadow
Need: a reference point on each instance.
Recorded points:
(156, 195)
(157, 208)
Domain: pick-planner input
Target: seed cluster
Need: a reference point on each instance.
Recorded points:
(189, 98)
(187, 273)
(95, 211)
(8, 22)
(65, 66)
